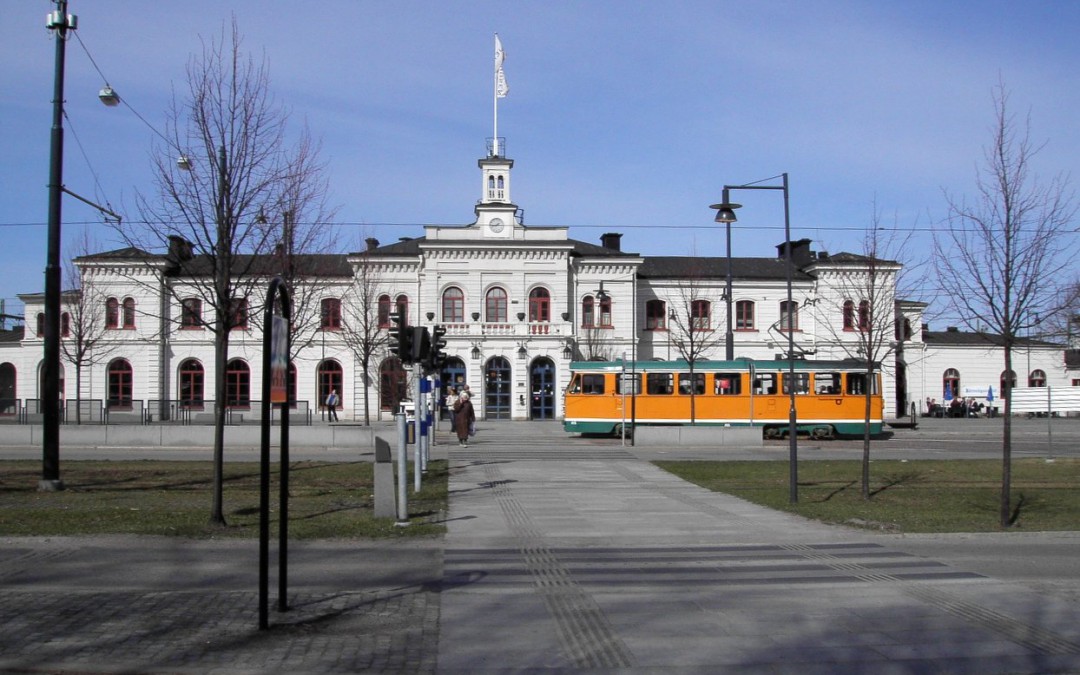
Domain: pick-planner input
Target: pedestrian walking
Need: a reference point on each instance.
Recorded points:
(331, 405)
(464, 418)
(451, 399)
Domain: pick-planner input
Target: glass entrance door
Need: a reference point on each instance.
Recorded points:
(497, 389)
(542, 390)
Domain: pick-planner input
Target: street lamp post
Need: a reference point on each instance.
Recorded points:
(59, 21)
(725, 213)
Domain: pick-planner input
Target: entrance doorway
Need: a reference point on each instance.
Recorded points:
(497, 389)
(453, 375)
(542, 390)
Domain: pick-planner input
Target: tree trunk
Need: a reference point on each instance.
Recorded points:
(1006, 444)
(867, 410)
(221, 353)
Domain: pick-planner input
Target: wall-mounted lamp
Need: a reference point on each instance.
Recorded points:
(568, 352)
(475, 352)
(522, 352)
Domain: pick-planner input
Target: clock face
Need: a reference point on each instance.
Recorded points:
(496, 225)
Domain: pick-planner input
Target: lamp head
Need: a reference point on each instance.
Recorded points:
(109, 96)
(725, 211)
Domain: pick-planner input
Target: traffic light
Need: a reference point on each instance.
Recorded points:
(437, 357)
(401, 336)
(421, 345)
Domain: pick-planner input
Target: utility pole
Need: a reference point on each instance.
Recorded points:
(60, 22)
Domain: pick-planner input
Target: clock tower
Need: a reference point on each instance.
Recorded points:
(495, 213)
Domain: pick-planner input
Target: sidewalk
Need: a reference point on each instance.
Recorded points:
(581, 560)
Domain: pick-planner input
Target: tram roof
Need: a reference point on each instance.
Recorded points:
(737, 364)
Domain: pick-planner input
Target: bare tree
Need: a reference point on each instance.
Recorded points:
(1001, 258)
(865, 289)
(691, 325)
(363, 327)
(236, 166)
(87, 340)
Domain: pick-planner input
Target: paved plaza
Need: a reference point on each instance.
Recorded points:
(558, 557)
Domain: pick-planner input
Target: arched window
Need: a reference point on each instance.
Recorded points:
(1007, 381)
(393, 384)
(329, 375)
(40, 324)
(950, 383)
(1037, 378)
(192, 379)
(238, 309)
(119, 384)
(539, 305)
(330, 314)
(191, 313)
(789, 315)
(112, 313)
(588, 312)
(65, 325)
(402, 303)
(849, 315)
(8, 390)
(385, 310)
(700, 315)
(495, 305)
(864, 315)
(744, 315)
(237, 384)
(655, 315)
(605, 311)
(453, 305)
(129, 313)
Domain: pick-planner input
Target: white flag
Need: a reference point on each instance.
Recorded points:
(501, 88)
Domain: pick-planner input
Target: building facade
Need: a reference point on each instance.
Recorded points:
(519, 303)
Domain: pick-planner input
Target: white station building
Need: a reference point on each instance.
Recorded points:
(519, 303)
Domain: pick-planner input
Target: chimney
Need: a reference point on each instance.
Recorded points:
(801, 254)
(611, 240)
(372, 243)
(925, 330)
(179, 249)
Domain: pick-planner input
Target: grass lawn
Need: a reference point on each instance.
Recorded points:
(326, 500)
(911, 496)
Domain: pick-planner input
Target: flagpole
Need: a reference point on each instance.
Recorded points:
(495, 98)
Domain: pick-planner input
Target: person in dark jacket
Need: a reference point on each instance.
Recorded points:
(464, 418)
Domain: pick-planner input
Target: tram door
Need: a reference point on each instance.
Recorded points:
(497, 389)
(542, 390)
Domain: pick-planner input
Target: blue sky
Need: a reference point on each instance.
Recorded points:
(622, 116)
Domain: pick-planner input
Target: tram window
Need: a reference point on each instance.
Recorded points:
(592, 384)
(765, 383)
(727, 384)
(826, 383)
(628, 383)
(856, 384)
(575, 385)
(659, 383)
(698, 384)
(802, 383)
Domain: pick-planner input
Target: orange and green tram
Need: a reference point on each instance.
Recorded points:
(830, 396)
